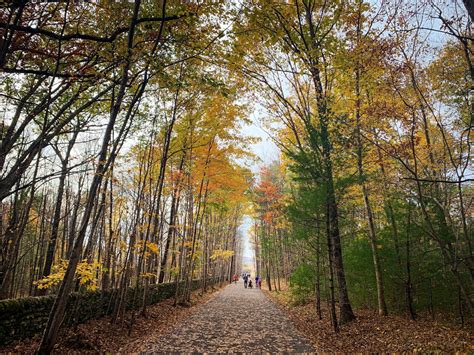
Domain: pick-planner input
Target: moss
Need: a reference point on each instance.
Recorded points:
(25, 317)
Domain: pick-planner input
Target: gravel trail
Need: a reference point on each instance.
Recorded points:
(236, 320)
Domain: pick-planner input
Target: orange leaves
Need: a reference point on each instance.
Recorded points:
(269, 195)
(268, 216)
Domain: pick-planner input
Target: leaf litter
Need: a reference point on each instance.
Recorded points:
(373, 333)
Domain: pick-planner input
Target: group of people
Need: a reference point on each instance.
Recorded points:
(248, 280)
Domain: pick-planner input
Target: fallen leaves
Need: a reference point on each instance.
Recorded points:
(99, 335)
(372, 333)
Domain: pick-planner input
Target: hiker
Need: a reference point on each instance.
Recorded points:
(246, 279)
(235, 278)
(259, 282)
(250, 283)
(256, 281)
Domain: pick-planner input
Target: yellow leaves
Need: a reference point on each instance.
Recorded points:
(221, 254)
(198, 254)
(147, 275)
(86, 274)
(282, 223)
(141, 228)
(123, 245)
(53, 279)
(33, 215)
(150, 248)
(153, 247)
(188, 244)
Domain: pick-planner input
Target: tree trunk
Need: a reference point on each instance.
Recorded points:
(57, 313)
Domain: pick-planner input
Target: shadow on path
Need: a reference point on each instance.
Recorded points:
(236, 320)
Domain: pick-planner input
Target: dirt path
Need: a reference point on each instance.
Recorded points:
(236, 320)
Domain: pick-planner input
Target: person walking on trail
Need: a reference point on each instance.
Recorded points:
(256, 281)
(246, 279)
(250, 283)
(235, 278)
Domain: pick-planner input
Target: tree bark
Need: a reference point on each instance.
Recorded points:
(59, 307)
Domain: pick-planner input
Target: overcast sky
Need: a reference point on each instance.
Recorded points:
(267, 152)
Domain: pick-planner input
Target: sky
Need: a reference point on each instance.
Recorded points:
(266, 151)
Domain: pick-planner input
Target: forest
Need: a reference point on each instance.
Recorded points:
(129, 160)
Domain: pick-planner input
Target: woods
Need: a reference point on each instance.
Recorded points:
(375, 125)
(83, 205)
(126, 159)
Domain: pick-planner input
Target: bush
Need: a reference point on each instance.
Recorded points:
(302, 284)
